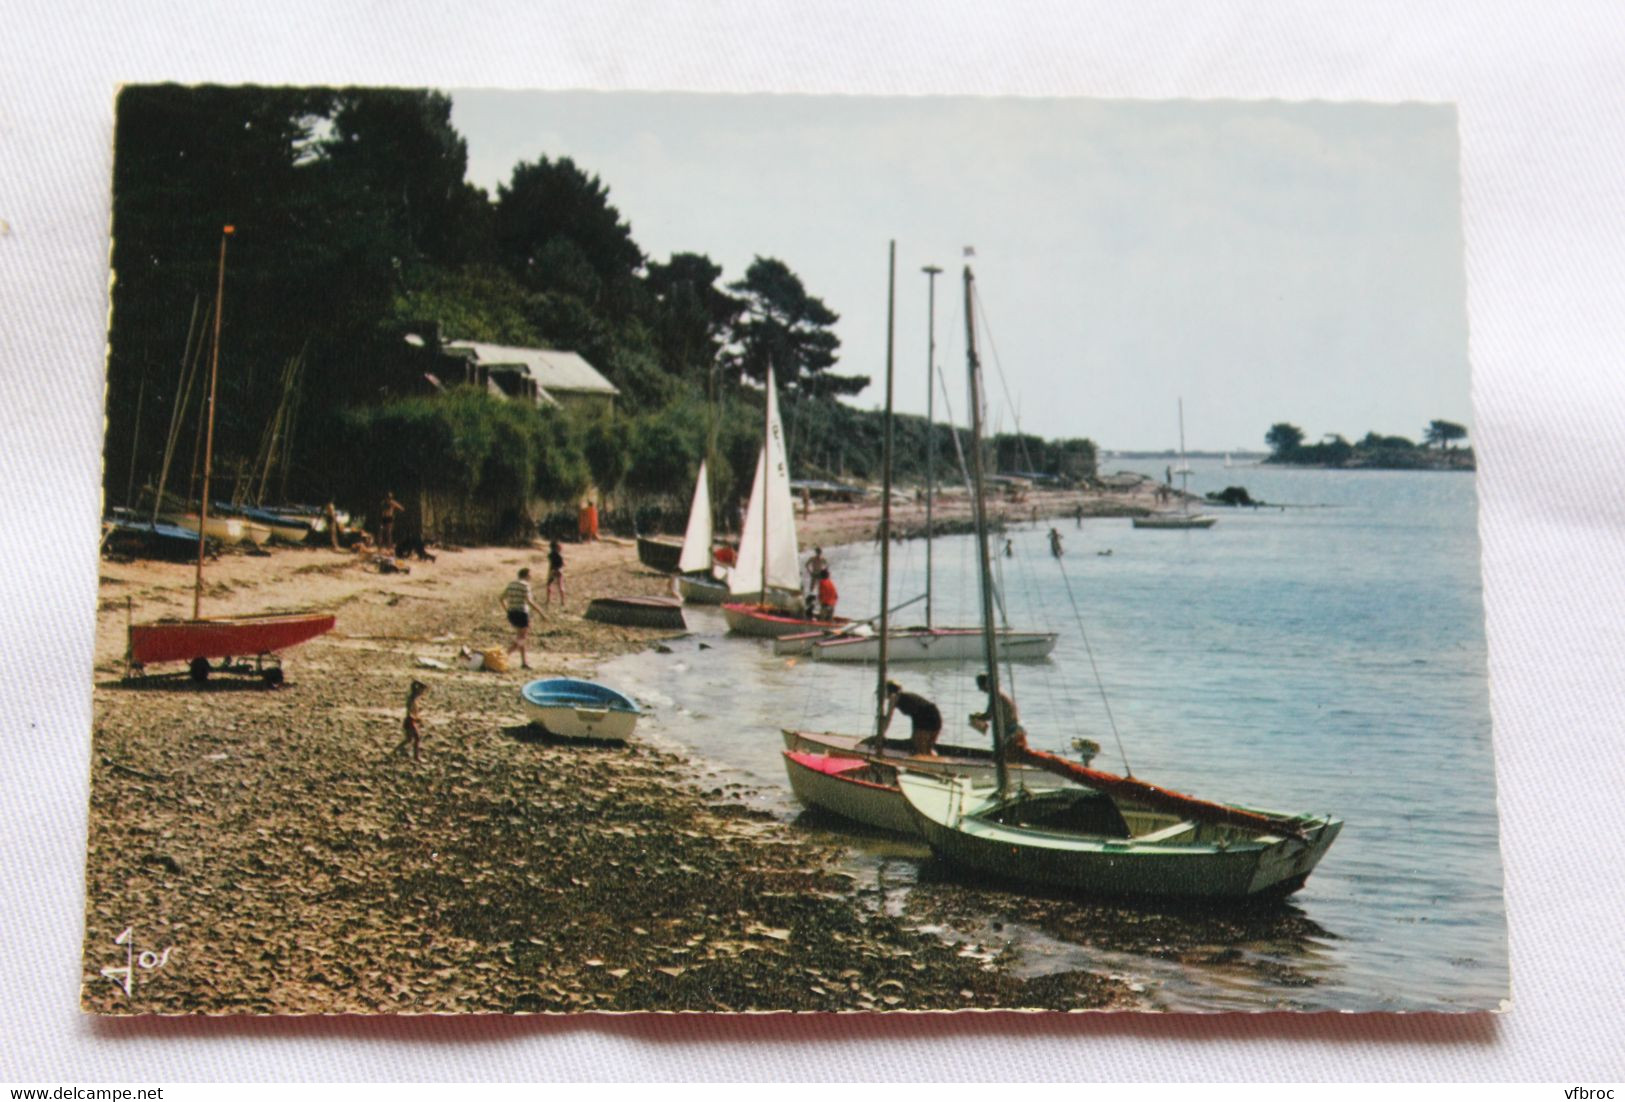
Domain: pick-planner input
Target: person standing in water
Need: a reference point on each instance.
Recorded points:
(1055, 542)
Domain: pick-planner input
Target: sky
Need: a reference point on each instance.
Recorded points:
(1263, 261)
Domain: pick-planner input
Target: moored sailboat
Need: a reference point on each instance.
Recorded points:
(1181, 517)
(929, 642)
(1115, 836)
(857, 778)
(766, 580)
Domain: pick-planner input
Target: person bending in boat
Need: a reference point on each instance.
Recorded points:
(1009, 718)
(827, 596)
(517, 602)
(924, 716)
(555, 573)
(411, 724)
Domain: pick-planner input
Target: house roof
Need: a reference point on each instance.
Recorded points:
(564, 372)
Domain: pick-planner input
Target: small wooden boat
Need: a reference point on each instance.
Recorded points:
(569, 708)
(659, 553)
(638, 612)
(1081, 839)
(197, 641)
(280, 526)
(145, 539)
(702, 589)
(770, 622)
(933, 645)
(860, 789)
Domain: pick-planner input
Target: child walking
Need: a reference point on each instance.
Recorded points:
(517, 603)
(555, 573)
(411, 724)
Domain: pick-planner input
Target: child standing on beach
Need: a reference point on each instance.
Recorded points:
(517, 602)
(555, 573)
(414, 732)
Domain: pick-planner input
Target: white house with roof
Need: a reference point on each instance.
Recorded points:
(544, 376)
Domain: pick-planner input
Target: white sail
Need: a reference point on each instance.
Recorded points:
(697, 538)
(769, 494)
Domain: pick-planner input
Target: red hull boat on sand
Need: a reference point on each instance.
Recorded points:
(238, 637)
(197, 640)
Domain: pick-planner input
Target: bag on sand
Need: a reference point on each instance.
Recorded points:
(496, 660)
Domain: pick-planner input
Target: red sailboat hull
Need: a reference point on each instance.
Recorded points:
(240, 636)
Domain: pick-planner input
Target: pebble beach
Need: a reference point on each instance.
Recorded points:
(260, 851)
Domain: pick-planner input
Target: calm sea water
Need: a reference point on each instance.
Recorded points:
(1329, 656)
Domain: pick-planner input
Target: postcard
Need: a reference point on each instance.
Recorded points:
(588, 552)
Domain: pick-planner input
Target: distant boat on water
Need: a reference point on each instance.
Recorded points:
(1182, 517)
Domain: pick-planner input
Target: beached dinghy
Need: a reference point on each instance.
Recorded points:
(860, 789)
(659, 553)
(1084, 840)
(638, 612)
(569, 708)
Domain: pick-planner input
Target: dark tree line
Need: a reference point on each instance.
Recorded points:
(354, 225)
(1286, 443)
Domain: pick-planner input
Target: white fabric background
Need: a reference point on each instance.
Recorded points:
(1542, 111)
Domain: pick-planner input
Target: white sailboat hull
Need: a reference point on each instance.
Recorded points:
(851, 788)
(934, 645)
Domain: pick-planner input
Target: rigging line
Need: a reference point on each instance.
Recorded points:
(1128, 770)
(953, 431)
(1004, 384)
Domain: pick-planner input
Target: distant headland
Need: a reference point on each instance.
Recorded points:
(1438, 450)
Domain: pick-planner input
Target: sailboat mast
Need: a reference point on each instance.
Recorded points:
(208, 444)
(767, 472)
(885, 498)
(1184, 467)
(989, 650)
(931, 272)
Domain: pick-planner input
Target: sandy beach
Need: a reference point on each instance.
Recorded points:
(268, 853)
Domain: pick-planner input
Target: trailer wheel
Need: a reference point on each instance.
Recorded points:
(272, 675)
(200, 669)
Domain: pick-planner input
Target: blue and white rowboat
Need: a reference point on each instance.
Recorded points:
(575, 709)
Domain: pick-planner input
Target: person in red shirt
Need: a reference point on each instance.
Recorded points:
(827, 596)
